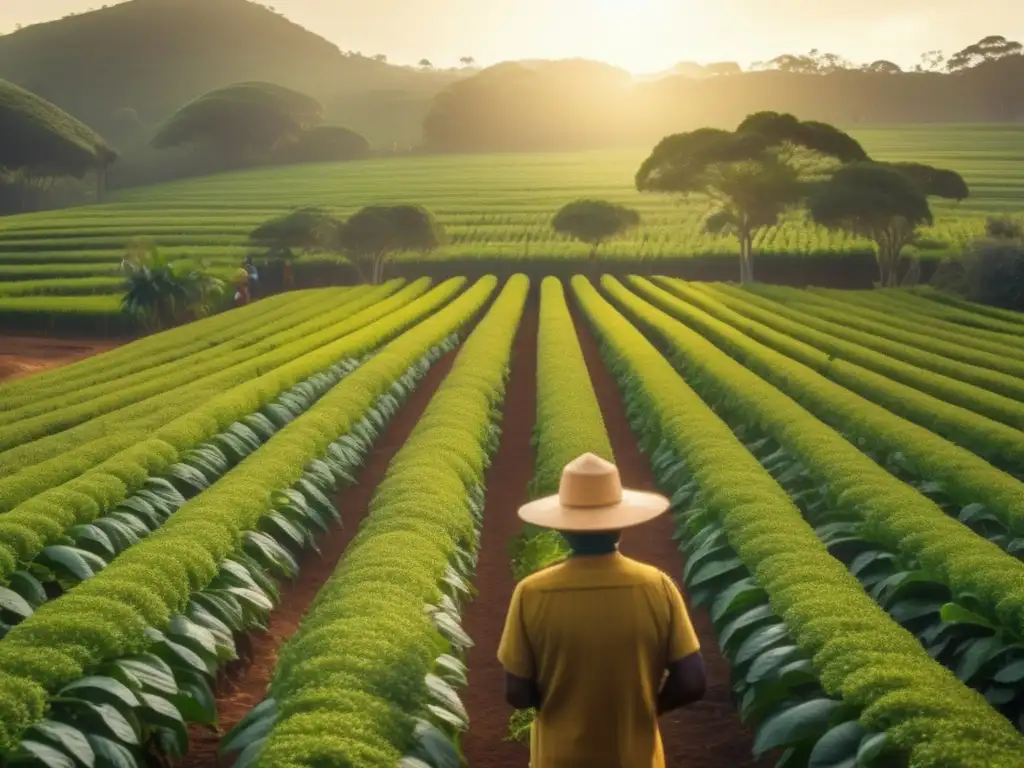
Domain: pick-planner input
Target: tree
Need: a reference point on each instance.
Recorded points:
(752, 175)
(425, 64)
(882, 67)
(723, 69)
(380, 58)
(377, 232)
(931, 61)
(594, 221)
(883, 202)
(42, 141)
(325, 144)
(991, 48)
(162, 293)
(244, 122)
(467, 61)
(309, 230)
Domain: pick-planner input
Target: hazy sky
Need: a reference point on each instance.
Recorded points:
(640, 35)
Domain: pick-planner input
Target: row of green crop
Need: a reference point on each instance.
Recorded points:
(819, 669)
(150, 351)
(862, 304)
(950, 299)
(915, 336)
(998, 443)
(569, 424)
(75, 488)
(65, 314)
(976, 573)
(252, 333)
(850, 343)
(129, 610)
(69, 287)
(944, 316)
(358, 685)
(916, 452)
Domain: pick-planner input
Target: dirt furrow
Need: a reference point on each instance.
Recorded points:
(484, 745)
(244, 683)
(707, 734)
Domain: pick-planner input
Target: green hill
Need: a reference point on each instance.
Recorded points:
(125, 68)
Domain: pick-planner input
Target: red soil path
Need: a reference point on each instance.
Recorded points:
(484, 745)
(22, 356)
(245, 682)
(707, 734)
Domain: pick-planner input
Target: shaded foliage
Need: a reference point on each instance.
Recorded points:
(244, 121)
(594, 221)
(308, 230)
(377, 232)
(749, 174)
(162, 293)
(884, 202)
(326, 144)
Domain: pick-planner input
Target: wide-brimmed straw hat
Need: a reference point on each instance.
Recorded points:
(591, 499)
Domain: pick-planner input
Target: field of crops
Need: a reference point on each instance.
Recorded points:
(286, 534)
(493, 207)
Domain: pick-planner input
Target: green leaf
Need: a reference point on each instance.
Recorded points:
(838, 747)
(446, 695)
(191, 476)
(452, 630)
(745, 623)
(807, 720)
(226, 611)
(13, 603)
(738, 597)
(270, 554)
(715, 569)
(769, 661)
(93, 538)
(908, 610)
(177, 654)
(68, 738)
(1011, 673)
(252, 597)
(253, 731)
(121, 535)
(435, 747)
(251, 754)
(97, 689)
(151, 671)
(110, 754)
(159, 712)
(189, 633)
(871, 747)
(29, 587)
(195, 700)
(979, 652)
(70, 562)
(797, 673)
(107, 718)
(44, 754)
(952, 613)
(761, 641)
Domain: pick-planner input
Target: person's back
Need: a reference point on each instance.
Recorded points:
(600, 633)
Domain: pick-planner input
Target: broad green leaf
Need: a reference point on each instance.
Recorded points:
(807, 720)
(909, 610)
(956, 614)
(838, 747)
(1011, 673)
(48, 756)
(761, 641)
(70, 739)
(252, 597)
(742, 595)
(190, 476)
(228, 612)
(177, 655)
(198, 638)
(110, 754)
(29, 587)
(151, 671)
(871, 747)
(97, 689)
(444, 715)
(251, 754)
(435, 746)
(270, 554)
(121, 724)
(195, 701)
(979, 652)
(70, 562)
(160, 712)
(13, 603)
(94, 539)
(714, 569)
(771, 660)
(446, 695)
(242, 737)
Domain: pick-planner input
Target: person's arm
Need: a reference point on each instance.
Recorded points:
(686, 681)
(516, 656)
(685, 684)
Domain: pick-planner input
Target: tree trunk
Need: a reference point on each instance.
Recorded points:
(746, 259)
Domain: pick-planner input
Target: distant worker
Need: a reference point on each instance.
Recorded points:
(289, 280)
(242, 288)
(253, 274)
(601, 645)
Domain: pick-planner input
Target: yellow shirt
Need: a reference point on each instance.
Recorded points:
(597, 634)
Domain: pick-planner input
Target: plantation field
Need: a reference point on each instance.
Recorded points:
(318, 491)
(493, 207)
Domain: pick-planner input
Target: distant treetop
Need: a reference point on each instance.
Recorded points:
(44, 140)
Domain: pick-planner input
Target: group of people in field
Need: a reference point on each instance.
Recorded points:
(248, 279)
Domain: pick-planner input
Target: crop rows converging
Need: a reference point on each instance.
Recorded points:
(847, 485)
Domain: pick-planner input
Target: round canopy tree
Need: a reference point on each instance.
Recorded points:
(41, 140)
(752, 175)
(885, 203)
(244, 122)
(377, 232)
(594, 221)
(308, 230)
(326, 144)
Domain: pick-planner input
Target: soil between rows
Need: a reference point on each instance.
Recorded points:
(244, 683)
(22, 356)
(708, 734)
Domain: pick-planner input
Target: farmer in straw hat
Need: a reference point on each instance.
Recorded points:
(600, 644)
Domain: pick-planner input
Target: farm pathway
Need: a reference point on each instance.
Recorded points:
(707, 734)
(22, 356)
(484, 745)
(244, 684)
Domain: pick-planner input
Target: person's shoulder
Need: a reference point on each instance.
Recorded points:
(545, 577)
(649, 574)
